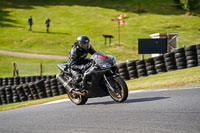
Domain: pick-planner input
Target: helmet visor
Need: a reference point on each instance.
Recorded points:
(85, 46)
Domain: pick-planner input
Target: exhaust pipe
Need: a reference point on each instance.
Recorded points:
(60, 78)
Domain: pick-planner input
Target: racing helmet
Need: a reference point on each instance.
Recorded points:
(83, 41)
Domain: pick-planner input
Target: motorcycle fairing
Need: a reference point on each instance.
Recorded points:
(96, 88)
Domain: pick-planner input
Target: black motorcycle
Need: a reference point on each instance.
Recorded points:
(100, 80)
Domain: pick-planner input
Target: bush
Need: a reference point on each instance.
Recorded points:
(188, 5)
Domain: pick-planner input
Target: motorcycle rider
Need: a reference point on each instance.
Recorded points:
(78, 63)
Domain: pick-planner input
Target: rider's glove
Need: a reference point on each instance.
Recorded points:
(88, 65)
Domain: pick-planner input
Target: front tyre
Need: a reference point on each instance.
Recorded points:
(120, 93)
(77, 99)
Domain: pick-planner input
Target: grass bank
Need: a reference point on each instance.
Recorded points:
(170, 80)
(93, 18)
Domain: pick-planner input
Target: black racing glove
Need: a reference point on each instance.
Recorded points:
(88, 65)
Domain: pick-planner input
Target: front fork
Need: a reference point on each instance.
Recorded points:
(108, 85)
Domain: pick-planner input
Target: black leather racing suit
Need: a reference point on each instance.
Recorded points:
(78, 61)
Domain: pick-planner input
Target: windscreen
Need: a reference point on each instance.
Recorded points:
(100, 57)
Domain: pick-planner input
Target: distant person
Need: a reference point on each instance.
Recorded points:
(30, 23)
(47, 22)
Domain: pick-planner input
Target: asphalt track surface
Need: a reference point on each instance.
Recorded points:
(164, 111)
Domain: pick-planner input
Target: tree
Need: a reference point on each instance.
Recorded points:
(190, 5)
(194, 4)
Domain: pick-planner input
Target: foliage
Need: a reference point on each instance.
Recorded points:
(189, 5)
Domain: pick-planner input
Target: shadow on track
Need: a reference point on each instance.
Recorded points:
(131, 100)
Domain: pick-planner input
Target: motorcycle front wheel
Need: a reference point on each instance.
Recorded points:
(120, 93)
(77, 99)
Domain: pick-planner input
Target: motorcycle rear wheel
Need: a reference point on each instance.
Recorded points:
(77, 99)
(120, 94)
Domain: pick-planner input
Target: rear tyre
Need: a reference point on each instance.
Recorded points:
(77, 99)
(120, 94)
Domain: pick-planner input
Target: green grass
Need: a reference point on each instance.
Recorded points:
(184, 78)
(30, 103)
(170, 80)
(27, 66)
(92, 18)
